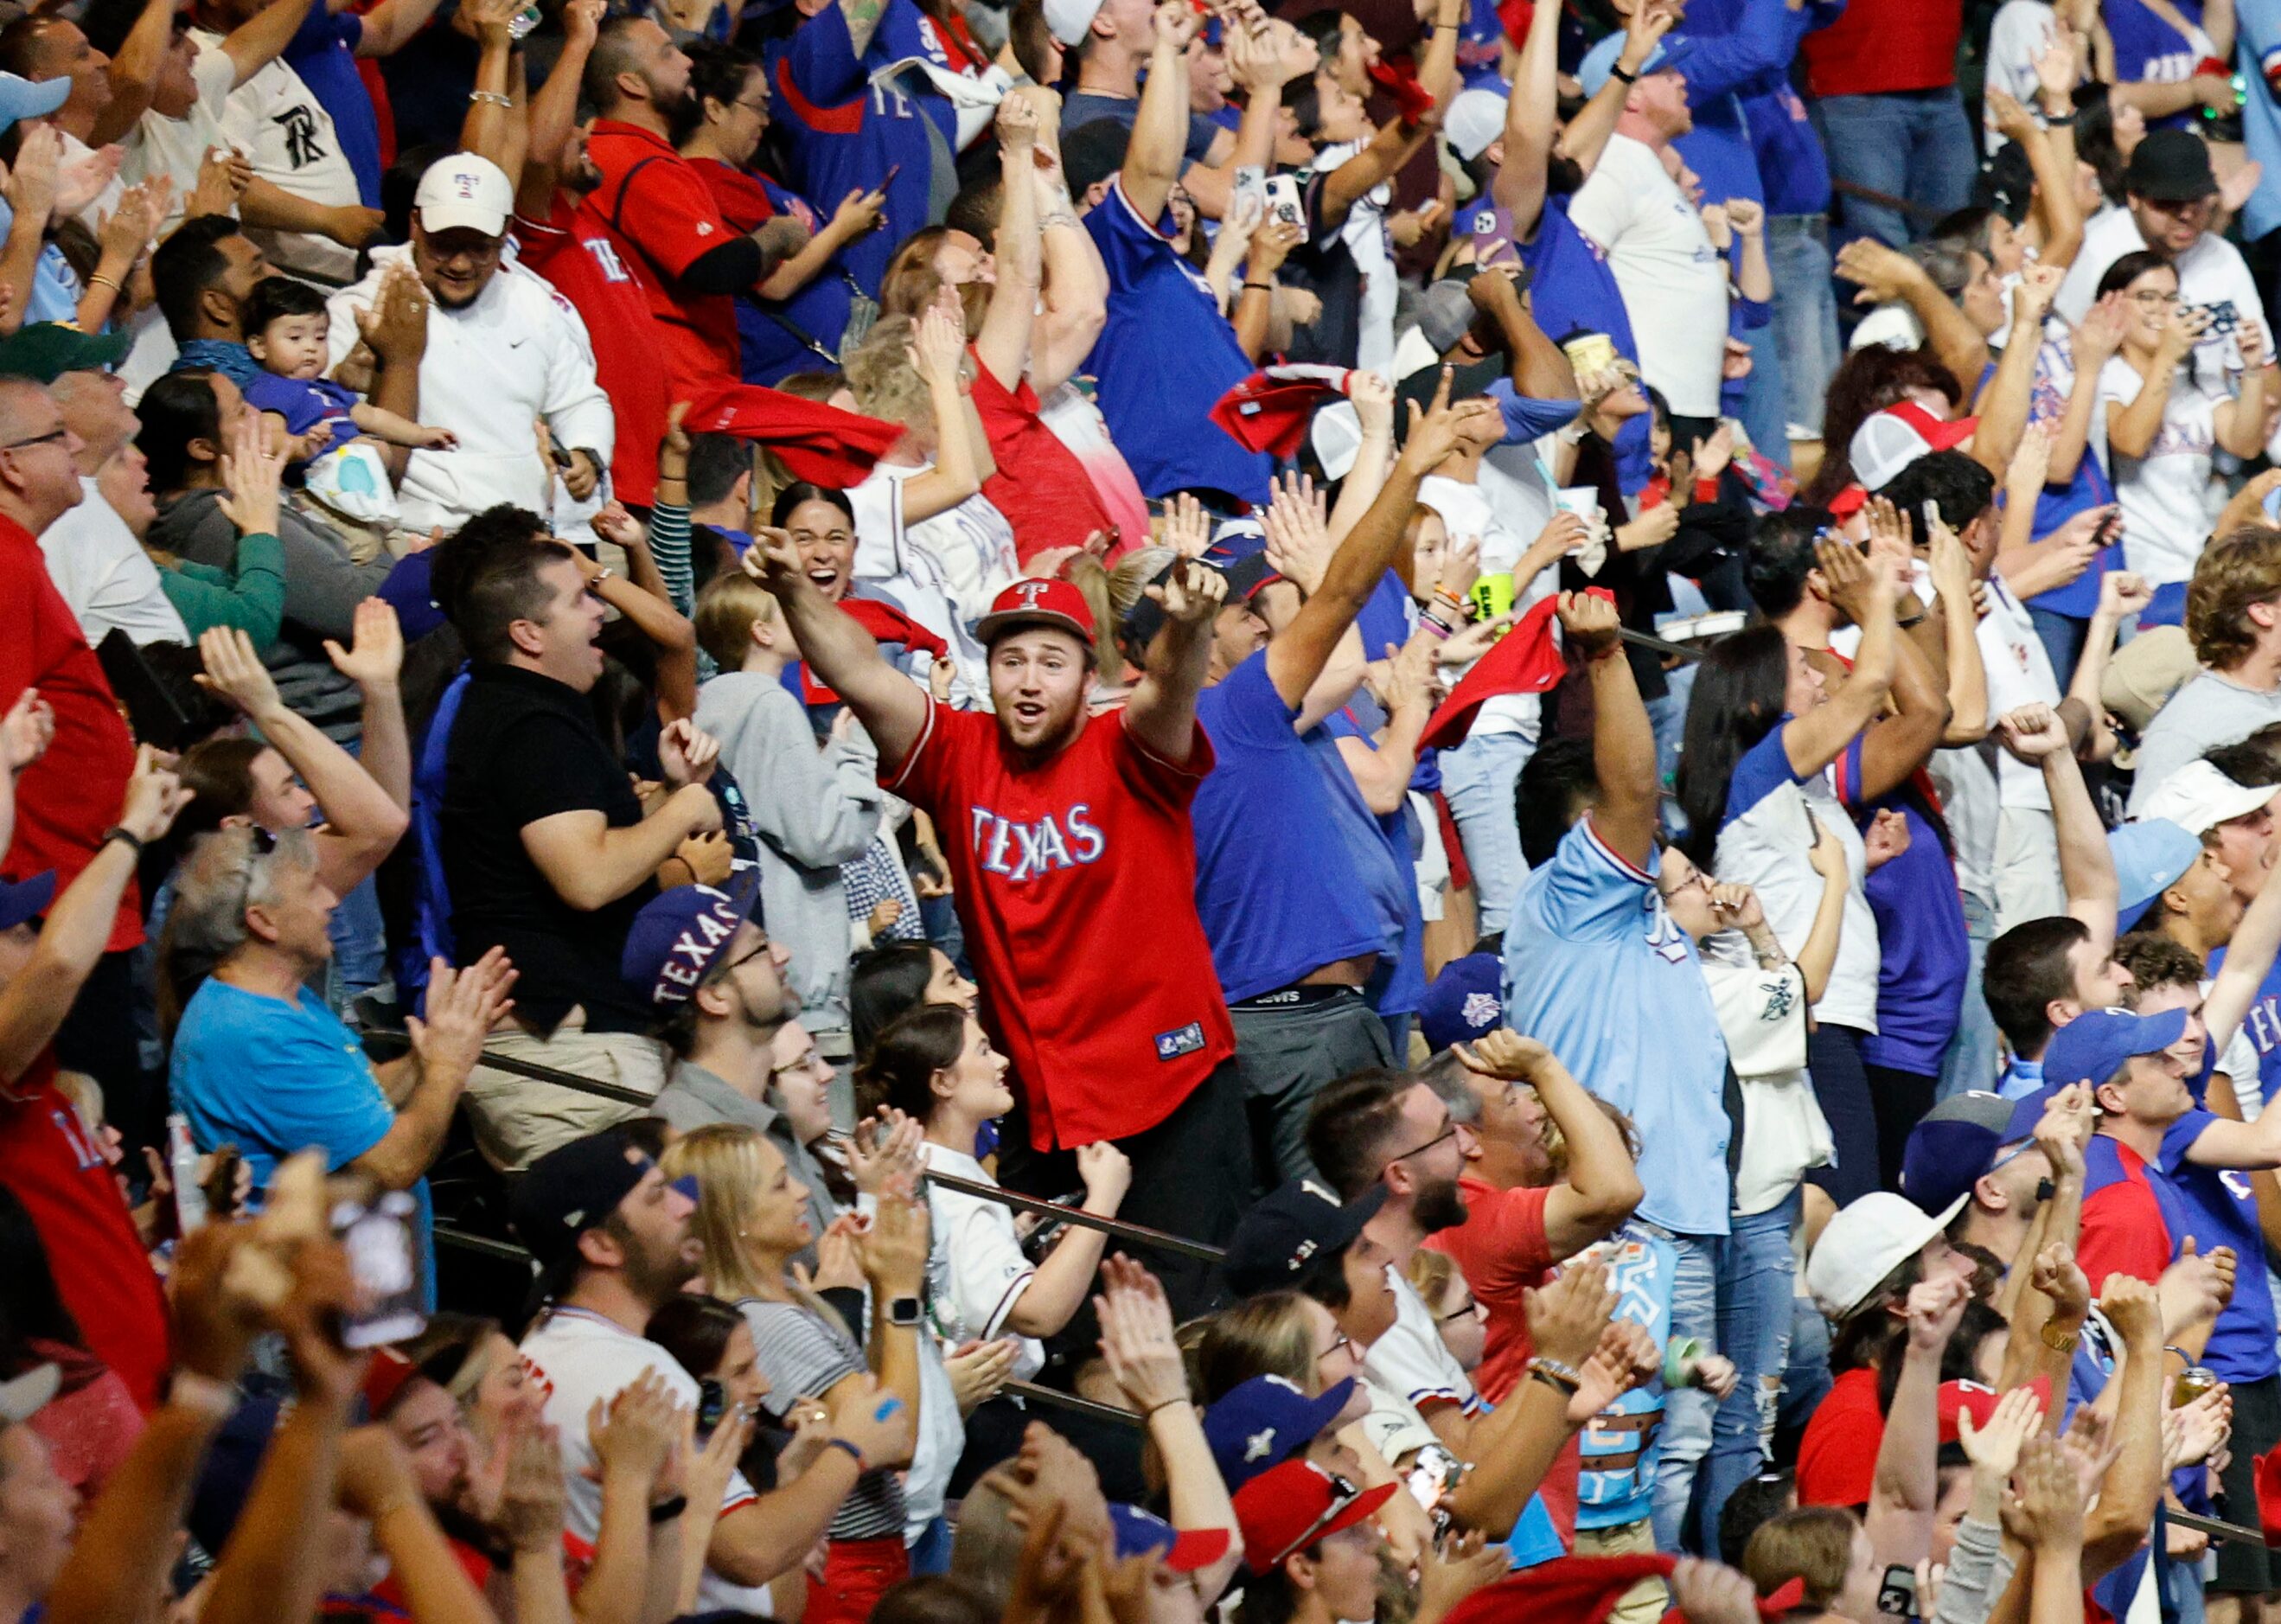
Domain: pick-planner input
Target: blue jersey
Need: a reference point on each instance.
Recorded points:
(777, 337)
(2219, 1208)
(2147, 48)
(1480, 48)
(2047, 400)
(1589, 946)
(1399, 985)
(1277, 886)
(1164, 358)
(1792, 166)
(1720, 66)
(324, 52)
(1922, 950)
(2257, 25)
(1619, 1447)
(851, 122)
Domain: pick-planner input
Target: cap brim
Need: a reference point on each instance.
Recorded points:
(991, 627)
(22, 1397)
(449, 217)
(25, 898)
(1362, 1507)
(1952, 433)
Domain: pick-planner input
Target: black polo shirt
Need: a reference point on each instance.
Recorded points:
(525, 747)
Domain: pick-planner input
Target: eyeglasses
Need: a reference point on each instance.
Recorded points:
(2153, 297)
(1668, 891)
(743, 959)
(1471, 1310)
(55, 436)
(1449, 1131)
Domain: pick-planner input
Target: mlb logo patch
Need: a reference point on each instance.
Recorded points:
(1186, 1041)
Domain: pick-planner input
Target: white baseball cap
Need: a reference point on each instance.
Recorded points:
(465, 193)
(1068, 21)
(2198, 798)
(1475, 119)
(1865, 1242)
(1888, 441)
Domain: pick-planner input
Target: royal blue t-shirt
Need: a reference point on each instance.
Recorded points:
(1792, 166)
(1922, 950)
(324, 52)
(2089, 488)
(1277, 885)
(1164, 358)
(1400, 983)
(2145, 47)
(846, 132)
(274, 1079)
(769, 351)
(2220, 1210)
(2263, 1021)
(304, 403)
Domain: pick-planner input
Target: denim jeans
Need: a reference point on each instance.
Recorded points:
(1764, 408)
(1973, 1058)
(2063, 637)
(1756, 1274)
(1686, 1411)
(1478, 780)
(1912, 144)
(1805, 328)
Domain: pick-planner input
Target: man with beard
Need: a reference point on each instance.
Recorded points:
(658, 210)
(613, 1243)
(502, 355)
(1069, 843)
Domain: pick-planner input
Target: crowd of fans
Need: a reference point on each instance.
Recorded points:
(1124, 811)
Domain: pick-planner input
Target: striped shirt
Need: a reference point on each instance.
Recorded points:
(801, 1353)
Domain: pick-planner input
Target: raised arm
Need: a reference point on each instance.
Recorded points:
(1887, 276)
(1904, 1487)
(1967, 673)
(133, 70)
(1623, 741)
(2035, 733)
(1864, 589)
(892, 708)
(462, 1006)
(1160, 128)
(262, 38)
(489, 129)
(2004, 403)
(1003, 344)
(362, 821)
(1075, 296)
(1603, 1187)
(1587, 135)
(1162, 713)
(389, 25)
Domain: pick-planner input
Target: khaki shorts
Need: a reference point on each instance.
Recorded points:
(518, 1119)
(1646, 1602)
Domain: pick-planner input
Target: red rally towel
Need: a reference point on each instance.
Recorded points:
(1526, 659)
(1584, 1590)
(818, 443)
(1414, 100)
(1269, 411)
(886, 625)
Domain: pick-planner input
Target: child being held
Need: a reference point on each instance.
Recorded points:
(331, 427)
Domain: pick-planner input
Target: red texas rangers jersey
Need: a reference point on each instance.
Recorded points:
(1076, 880)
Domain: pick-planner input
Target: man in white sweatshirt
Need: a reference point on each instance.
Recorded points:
(505, 352)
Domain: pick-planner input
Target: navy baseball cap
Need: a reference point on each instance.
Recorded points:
(1462, 1002)
(1141, 1534)
(1260, 1424)
(22, 901)
(677, 937)
(1146, 618)
(1959, 1141)
(1289, 1229)
(2094, 1046)
(571, 1190)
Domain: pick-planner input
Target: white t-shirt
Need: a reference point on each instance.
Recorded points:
(1672, 281)
(2021, 34)
(910, 564)
(104, 576)
(2019, 672)
(1365, 235)
(976, 1268)
(176, 147)
(277, 122)
(1411, 1361)
(1762, 1014)
(2211, 271)
(100, 208)
(2165, 494)
(1475, 510)
(577, 1357)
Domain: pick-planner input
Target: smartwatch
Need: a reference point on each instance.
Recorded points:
(904, 1313)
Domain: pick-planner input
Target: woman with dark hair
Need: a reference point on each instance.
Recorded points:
(802, 309)
(1763, 734)
(890, 981)
(937, 1066)
(1867, 381)
(2106, 132)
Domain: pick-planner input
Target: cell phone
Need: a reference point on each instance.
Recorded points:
(1429, 1478)
(712, 1404)
(221, 1186)
(2225, 318)
(893, 171)
(377, 1236)
(1283, 207)
(2107, 527)
(1897, 1592)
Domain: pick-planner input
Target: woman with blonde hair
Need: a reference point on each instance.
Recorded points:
(751, 1217)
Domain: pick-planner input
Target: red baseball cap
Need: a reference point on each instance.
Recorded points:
(1030, 602)
(1980, 1399)
(1288, 1508)
(1848, 502)
(384, 1381)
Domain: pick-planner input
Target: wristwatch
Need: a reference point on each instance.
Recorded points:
(666, 1511)
(904, 1313)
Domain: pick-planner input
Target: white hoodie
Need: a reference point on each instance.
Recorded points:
(491, 369)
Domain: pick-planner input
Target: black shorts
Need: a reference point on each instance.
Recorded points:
(2243, 1568)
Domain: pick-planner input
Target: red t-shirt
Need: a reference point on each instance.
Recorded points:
(1040, 486)
(578, 258)
(655, 206)
(1075, 881)
(1837, 1457)
(1877, 46)
(50, 1163)
(1503, 1252)
(66, 798)
(2124, 1231)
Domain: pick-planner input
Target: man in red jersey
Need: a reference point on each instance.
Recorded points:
(49, 1159)
(1074, 864)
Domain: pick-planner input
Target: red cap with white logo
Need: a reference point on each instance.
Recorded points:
(1057, 604)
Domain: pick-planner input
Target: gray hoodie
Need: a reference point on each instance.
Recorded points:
(815, 809)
